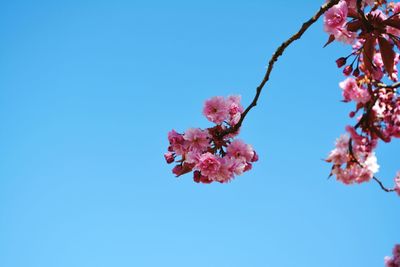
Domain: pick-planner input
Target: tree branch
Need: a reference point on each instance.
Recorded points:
(382, 186)
(278, 52)
(392, 86)
(376, 179)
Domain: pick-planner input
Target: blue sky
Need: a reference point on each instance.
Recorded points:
(88, 92)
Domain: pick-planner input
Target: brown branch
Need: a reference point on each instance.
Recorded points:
(278, 52)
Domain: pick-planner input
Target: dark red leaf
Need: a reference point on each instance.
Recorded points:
(353, 14)
(354, 26)
(330, 40)
(393, 22)
(396, 42)
(368, 53)
(388, 54)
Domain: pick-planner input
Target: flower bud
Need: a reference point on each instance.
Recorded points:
(356, 72)
(347, 70)
(169, 157)
(340, 62)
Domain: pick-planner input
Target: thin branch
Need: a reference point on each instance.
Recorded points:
(392, 86)
(382, 186)
(376, 179)
(278, 52)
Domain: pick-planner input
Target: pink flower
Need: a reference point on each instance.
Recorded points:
(208, 164)
(371, 163)
(176, 142)
(197, 139)
(345, 36)
(397, 188)
(335, 18)
(351, 91)
(212, 154)
(225, 173)
(235, 109)
(239, 150)
(395, 260)
(347, 170)
(216, 109)
(192, 157)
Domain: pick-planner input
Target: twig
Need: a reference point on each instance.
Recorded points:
(392, 86)
(382, 186)
(278, 52)
(376, 179)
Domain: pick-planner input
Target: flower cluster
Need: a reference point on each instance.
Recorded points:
(395, 260)
(355, 166)
(213, 154)
(373, 30)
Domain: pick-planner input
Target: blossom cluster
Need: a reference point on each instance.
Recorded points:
(373, 31)
(213, 154)
(395, 260)
(355, 166)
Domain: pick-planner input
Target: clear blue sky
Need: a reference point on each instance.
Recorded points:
(88, 92)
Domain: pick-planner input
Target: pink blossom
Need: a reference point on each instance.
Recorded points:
(397, 188)
(393, 261)
(177, 142)
(208, 164)
(225, 172)
(335, 18)
(377, 73)
(351, 91)
(371, 163)
(216, 109)
(192, 157)
(238, 149)
(235, 109)
(345, 168)
(197, 139)
(345, 36)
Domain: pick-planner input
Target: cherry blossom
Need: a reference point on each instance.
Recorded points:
(393, 261)
(213, 154)
(372, 29)
(397, 183)
(216, 109)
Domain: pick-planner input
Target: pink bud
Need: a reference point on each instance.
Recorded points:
(199, 178)
(347, 70)
(356, 72)
(340, 62)
(177, 170)
(255, 157)
(169, 157)
(247, 167)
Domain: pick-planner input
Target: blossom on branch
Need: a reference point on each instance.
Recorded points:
(213, 154)
(393, 261)
(375, 27)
